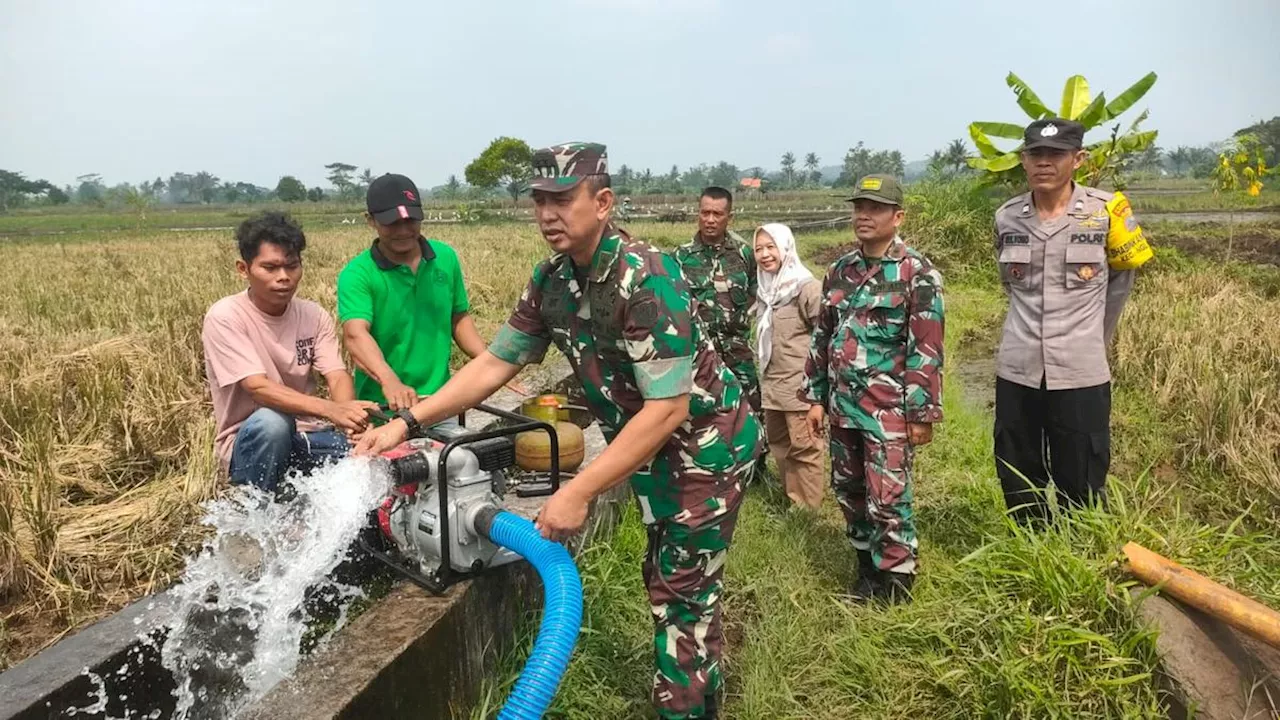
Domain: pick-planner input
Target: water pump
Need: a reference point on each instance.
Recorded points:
(444, 522)
(426, 529)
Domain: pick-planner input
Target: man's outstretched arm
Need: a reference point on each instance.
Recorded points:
(472, 385)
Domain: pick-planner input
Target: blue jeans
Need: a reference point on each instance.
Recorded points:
(268, 444)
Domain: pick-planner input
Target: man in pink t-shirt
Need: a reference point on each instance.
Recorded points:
(261, 350)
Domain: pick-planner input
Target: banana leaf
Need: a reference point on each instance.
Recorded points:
(1133, 127)
(1126, 99)
(1137, 142)
(1000, 130)
(1095, 113)
(1075, 97)
(1027, 99)
(982, 142)
(1007, 161)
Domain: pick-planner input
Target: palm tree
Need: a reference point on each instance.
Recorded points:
(789, 167)
(205, 186)
(937, 162)
(957, 156)
(811, 167)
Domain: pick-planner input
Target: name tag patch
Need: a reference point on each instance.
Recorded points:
(1015, 239)
(889, 287)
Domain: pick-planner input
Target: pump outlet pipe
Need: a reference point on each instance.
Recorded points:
(561, 610)
(1204, 594)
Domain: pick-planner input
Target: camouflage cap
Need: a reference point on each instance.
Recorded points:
(880, 188)
(562, 167)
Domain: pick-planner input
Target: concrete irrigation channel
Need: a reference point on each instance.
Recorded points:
(411, 654)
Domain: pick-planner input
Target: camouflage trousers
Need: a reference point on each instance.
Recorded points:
(871, 478)
(741, 361)
(684, 575)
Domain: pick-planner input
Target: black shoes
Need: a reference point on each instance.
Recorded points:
(875, 584)
(896, 587)
(867, 586)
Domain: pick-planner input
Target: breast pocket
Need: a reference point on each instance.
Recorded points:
(883, 317)
(606, 335)
(789, 335)
(1015, 265)
(1085, 265)
(698, 276)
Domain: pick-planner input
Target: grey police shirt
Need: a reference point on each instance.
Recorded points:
(1064, 300)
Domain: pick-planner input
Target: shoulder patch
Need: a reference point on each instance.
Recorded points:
(1102, 195)
(644, 309)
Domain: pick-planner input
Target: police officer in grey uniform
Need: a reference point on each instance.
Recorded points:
(1053, 384)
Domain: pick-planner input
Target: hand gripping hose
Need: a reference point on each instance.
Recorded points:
(561, 612)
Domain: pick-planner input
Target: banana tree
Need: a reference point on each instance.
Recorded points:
(1241, 167)
(1107, 158)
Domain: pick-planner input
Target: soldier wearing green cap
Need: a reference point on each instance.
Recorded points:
(875, 373)
(675, 417)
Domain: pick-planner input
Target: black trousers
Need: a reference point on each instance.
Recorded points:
(1058, 435)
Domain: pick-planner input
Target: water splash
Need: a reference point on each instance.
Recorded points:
(99, 704)
(242, 602)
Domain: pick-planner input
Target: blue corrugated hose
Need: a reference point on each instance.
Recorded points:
(561, 616)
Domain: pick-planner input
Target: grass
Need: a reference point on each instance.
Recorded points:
(105, 454)
(1006, 624)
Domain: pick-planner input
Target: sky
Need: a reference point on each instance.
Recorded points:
(251, 91)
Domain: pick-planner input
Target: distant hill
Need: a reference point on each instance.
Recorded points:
(916, 169)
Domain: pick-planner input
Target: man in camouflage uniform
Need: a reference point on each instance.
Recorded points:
(1053, 383)
(673, 414)
(874, 368)
(721, 269)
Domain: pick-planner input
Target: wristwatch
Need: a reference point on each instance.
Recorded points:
(415, 428)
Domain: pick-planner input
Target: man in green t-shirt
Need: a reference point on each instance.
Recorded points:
(402, 303)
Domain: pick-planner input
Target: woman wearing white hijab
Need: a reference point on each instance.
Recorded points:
(790, 299)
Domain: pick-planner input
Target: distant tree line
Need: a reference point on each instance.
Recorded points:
(181, 188)
(504, 168)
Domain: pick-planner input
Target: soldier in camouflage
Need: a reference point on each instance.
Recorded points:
(674, 415)
(875, 370)
(721, 269)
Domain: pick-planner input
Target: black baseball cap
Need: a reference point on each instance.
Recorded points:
(392, 198)
(1053, 133)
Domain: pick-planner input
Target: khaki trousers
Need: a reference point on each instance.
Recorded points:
(798, 455)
